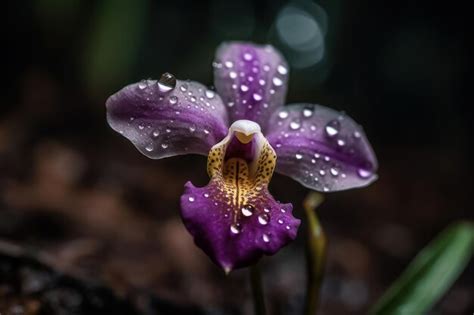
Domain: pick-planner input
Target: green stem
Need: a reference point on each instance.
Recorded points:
(315, 252)
(257, 290)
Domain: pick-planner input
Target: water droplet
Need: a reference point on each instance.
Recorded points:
(149, 147)
(141, 127)
(248, 57)
(266, 210)
(334, 171)
(173, 100)
(307, 112)
(183, 87)
(244, 88)
(168, 130)
(322, 172)
(192, 128)
(206, 195)
(364, 173)
(287, 227)
(282, 70)
(295, 125)
(282, 210)
(235, 228)
(326, 189)
(142, 85)
(229, 64)
(277, 81)
(164, 145)
(266, 238)
(206, 131)
(156, 133)
(261, 82)
(167, 82)
(341, 142)
(217, 65)
(210, 94)
(191, 199)
(247, 210)
(280, 221)
(298, 156)
(263, 219)
(313, 127)
(266, 68)
(193, 99)
(283, 114)
(230, 104)
(357, 134)
(257, 97)
(332, 128)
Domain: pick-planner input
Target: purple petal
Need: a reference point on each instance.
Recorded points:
(251, 80)
(236, 237)
(321, 148)
(188, 118)
(234, 219)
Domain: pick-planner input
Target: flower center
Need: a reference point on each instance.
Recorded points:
(242, 164)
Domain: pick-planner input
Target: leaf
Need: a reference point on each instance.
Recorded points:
(430, 274)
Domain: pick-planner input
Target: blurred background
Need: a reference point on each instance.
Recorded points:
(82, 200)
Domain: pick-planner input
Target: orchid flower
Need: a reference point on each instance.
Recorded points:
(246, 132)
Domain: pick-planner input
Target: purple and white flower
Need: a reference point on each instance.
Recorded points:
(247, 132)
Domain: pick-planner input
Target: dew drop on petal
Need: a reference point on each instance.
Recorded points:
(149, 147)
(357, 134)
(266, 210)
(322, 172)
(164, 145)
(334, 171)
(280, 221)
(248, 57)
(142, 85)
(341, 142)
(257, 97)
(210, 94)
(266, 238)
(233, 74)
(229, 64)
(282, 70)
(191, 199)
(263, 219)
(298, 156)
(364, 173)
(332, 128)
(283, 114)
(277, 81)
(206, 195)
(294, 125)
(173, 100)
(235, 228)
(287, 227)
(247, 210)
(155, 133)
(244, 88)
(307, 112)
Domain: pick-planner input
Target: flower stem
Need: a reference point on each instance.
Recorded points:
(315, 252)
(257, 290)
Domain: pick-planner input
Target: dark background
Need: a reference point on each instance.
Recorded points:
(81, 195)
